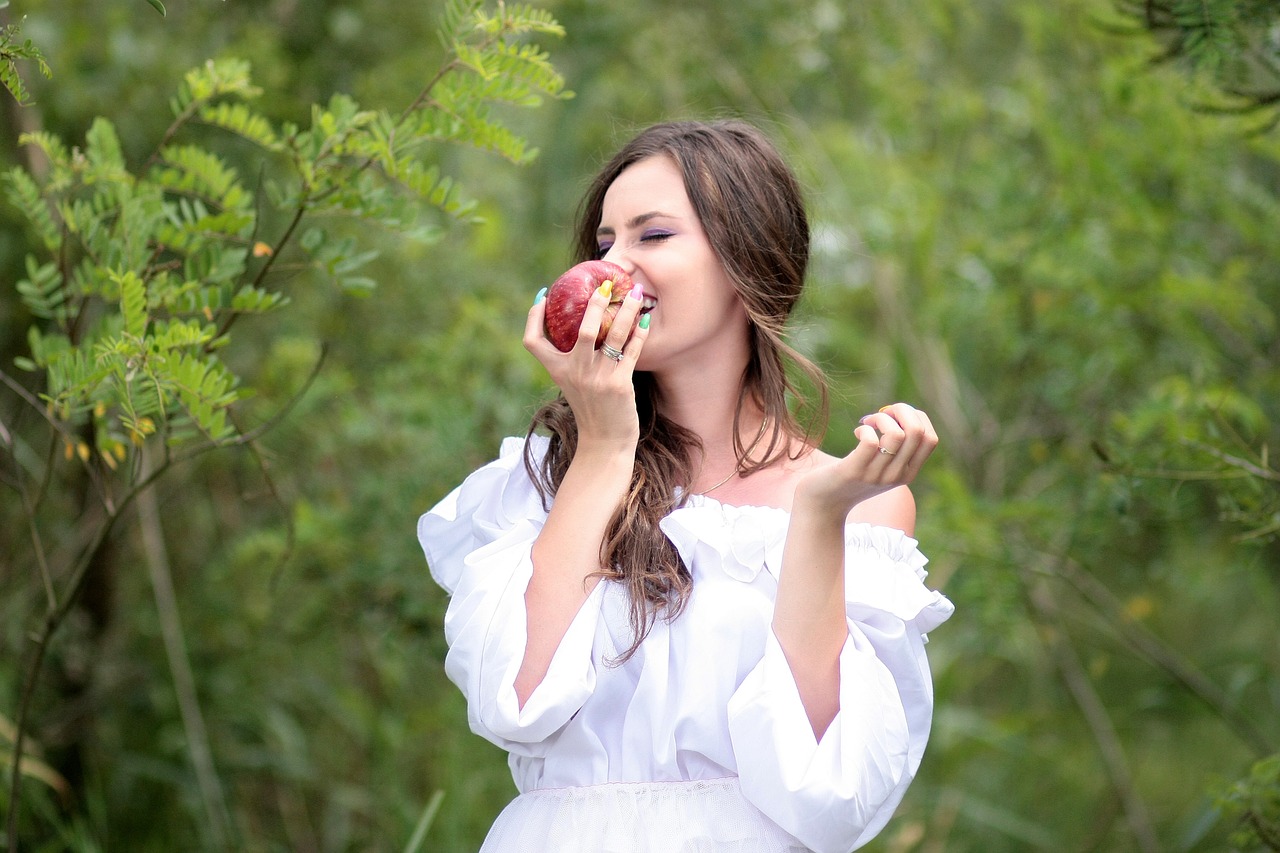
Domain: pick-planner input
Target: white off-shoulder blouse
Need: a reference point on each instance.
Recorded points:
(707, 702)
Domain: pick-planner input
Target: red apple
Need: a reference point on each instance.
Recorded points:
(567, 301)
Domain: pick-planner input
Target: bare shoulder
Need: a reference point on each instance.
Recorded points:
(895, 508)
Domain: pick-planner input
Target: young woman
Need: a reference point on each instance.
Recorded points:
(691, 628)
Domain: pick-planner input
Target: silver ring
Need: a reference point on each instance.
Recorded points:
(611, 352)
(888, 452)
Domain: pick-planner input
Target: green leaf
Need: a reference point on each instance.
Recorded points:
(133, 303)
(42, 290)
(158, 6)
(25, 195)
(102, 150)
(193, 171)
(242, 121)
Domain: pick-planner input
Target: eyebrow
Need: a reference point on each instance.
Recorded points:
(635, 221)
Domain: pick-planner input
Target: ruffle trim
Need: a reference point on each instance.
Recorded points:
(494, 498)
(884, 568)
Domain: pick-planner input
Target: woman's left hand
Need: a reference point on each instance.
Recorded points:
(893, 445)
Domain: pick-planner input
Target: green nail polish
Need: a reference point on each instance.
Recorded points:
(542, 294)
(644, 321)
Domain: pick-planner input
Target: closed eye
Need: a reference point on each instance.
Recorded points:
(655, 236)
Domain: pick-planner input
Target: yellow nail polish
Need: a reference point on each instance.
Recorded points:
(606, 289)
(886, 408)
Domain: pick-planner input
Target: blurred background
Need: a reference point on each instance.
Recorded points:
(1053, 226)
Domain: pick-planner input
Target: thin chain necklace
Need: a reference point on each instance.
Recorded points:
(737, 469)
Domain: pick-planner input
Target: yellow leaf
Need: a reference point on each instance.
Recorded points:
(83, 451)
(262, 250)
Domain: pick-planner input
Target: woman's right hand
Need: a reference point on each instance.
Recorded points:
(597, 387)
(567, 553)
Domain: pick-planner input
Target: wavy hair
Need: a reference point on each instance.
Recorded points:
(752, 210)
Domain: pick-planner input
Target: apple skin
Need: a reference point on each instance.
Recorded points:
(567, 301)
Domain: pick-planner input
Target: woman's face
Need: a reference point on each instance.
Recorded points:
(648, 227)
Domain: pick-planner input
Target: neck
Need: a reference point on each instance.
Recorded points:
(707, 408)
(736, 468)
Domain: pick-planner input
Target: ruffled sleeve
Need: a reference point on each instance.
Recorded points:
(836, 794)
(478, 542)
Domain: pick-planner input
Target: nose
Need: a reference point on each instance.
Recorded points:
(618, 255)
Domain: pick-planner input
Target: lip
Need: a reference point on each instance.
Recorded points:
(648, 305)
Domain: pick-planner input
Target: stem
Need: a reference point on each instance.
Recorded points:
(175, 648)
(19, 739)
(1163, 657)
(1099, 722)
(29, 510)
(37, 545)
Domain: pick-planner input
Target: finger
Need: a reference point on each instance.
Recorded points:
(930, 434)
(535, 338)
(631, 352)
(625, 320)
(591, 318)
(919, 438)
(890, 435)
(868, 439)
(927, 440)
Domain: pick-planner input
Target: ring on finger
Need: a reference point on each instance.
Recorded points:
(611, 352)
(887, 452)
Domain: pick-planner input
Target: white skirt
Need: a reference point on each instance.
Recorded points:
(706, 816)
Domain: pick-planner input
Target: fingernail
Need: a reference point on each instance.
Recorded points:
(864, 419)
(644, 321)
(886, 408)
(542, 294)
(606, 289)
(637, 292)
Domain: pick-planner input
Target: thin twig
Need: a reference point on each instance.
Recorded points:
(1161, 655)
(1099, 721)
(19, 739)
(184, 684)
(59, 427)
(1245, 465)
(29, 511)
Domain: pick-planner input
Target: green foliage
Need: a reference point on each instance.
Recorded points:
(1254, 803)
(1229, 44)
(11, 51)
(139, 275)
(144, 275)
(1019, 226)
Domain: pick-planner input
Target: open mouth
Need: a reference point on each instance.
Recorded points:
(649, 304)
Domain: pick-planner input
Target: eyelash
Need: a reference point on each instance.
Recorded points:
(647, 237)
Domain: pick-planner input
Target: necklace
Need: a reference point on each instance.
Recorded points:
(737, 469)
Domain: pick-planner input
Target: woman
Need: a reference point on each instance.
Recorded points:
(691, 628)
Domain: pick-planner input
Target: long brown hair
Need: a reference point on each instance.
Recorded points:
(751, 208)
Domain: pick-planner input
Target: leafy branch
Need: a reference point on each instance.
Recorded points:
(11, 52)
(1230, 43)
(136, 275)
